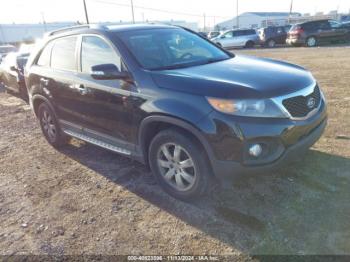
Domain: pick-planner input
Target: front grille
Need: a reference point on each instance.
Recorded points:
(301, 106)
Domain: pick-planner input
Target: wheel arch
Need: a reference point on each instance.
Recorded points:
(37, 100)
(152, 125)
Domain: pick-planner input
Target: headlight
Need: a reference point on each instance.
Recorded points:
(247, 107)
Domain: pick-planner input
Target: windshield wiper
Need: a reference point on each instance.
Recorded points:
(175, 66)
(194, 63)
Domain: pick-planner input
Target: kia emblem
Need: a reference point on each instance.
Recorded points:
(311, 102)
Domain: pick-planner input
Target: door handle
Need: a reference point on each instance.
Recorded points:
(81, 88)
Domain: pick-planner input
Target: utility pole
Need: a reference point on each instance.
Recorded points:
(86, 13)
(44, 22)
(132, 11)
(237, 16)
(290, 11)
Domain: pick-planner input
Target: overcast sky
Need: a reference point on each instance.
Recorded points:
(33, 11)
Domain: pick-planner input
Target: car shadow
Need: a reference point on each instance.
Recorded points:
(302, 209)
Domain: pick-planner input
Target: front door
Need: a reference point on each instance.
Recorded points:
(104, 106)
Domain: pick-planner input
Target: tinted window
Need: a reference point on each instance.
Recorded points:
(237, 33)
(95, 51)
(44, 59)
(324, 25)
(63, 54)
(280, 30)
(310, 26)
(250, 32)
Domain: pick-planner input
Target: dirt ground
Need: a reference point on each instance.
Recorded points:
(85, 200)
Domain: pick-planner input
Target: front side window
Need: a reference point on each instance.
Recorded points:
(335, 24)
(161, 49)
(228, 34)
(63, 54)
(324, 25)
(95, 51)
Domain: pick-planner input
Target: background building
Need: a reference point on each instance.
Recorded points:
(19, 33)
(257, 20)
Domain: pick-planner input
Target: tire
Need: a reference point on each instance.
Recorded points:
(186, 181)
(50, 127)
(311, 41)
(249, 44)
(271, 43)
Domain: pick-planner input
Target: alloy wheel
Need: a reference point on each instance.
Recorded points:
(49, 125)
(176, 166)
(311, 41)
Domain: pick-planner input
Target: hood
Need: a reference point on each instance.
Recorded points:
(239, 77)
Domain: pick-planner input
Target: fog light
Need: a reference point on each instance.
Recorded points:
(255, 150)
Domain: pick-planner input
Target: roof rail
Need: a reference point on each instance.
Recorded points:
(77, 27)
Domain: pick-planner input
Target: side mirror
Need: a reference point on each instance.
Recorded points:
(222, 37)
(108, 72)
(13, 68)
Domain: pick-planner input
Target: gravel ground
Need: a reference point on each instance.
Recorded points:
(85, 200)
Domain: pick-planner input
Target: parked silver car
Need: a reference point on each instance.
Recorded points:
(237, 38)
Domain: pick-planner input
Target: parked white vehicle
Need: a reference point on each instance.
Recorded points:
(237, 38)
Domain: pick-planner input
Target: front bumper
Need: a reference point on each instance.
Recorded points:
(225, 169)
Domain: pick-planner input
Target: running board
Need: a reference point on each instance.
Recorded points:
(97, 142)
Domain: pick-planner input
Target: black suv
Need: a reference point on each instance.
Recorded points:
(315, 32)
(169, 98)
(273, 35)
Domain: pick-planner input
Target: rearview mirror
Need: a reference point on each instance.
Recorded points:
(108, 71)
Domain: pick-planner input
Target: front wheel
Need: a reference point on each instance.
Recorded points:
(179, 165)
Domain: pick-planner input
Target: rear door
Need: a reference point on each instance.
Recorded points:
(62, 78)
(238, 38)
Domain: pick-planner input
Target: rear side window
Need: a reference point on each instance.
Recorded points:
(309, 26)
(95, 51)
(250, 32)
(324, 25)
(45, 56)
(63, 54)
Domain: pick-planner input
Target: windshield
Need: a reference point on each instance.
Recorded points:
(160, 49)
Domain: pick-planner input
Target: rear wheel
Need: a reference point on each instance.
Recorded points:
(249, 44)
(50, 126)
(311, 41)
(179, 165)
(271, 43)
